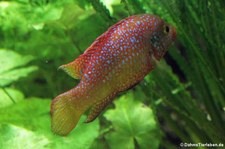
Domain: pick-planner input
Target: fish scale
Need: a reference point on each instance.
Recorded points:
(116, 61)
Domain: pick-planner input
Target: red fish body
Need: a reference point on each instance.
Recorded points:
(117, 60)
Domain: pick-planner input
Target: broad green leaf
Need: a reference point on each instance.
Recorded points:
(34, 115)
(9, 95)
(30, 113)
(11, 66)
(71, 14)
(14, 137)
(7, 78)
(82, 137)
(10, 59)
(17, 15)
(132, 122)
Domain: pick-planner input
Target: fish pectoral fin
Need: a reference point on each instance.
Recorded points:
(75, 68)
(98, 107)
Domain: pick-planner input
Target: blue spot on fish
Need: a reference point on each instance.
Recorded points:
(133, 39)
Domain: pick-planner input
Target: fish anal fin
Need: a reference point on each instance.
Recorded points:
(98, 107)
(75, 68)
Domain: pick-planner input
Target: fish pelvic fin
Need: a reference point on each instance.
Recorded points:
(75, 68)
(98, 107)
(65, 113)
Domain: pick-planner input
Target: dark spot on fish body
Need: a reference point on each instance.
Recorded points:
(155, 40)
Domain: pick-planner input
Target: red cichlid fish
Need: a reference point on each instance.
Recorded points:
(116, 61)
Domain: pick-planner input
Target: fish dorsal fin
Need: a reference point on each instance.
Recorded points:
(76, 68)
(98, 107)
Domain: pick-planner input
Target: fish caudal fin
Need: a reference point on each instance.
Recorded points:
(65, 114)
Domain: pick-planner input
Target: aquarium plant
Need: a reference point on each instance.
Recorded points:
(181, 101)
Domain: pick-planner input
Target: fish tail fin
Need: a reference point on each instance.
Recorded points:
(66, 111)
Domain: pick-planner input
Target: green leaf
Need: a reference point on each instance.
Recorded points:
(16, 137)
(33, 115)
(82, 137)
(11, 66)
(133, 124)
(71, 15)
(10, 59)
(9, 95)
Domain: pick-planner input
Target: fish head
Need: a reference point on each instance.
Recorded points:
(161, 37)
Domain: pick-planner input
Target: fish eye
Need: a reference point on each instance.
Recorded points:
(166, 29)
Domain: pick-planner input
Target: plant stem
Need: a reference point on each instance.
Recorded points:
(10, 97)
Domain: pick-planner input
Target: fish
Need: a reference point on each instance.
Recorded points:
(116, 61)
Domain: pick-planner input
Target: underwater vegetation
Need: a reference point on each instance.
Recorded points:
(181, 101)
